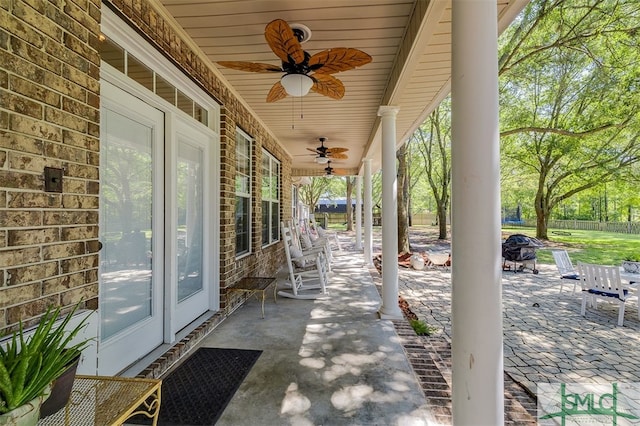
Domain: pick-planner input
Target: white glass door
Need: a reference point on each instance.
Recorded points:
(131, 184)
(190, 224)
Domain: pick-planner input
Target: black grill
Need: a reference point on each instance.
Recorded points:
(519, 248)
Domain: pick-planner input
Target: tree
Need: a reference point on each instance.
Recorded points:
(569, 74)
(403, 200)
(433, 139)
(311, 194)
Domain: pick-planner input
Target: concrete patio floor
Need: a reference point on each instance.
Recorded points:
(328, 361)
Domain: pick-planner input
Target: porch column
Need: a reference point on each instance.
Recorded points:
(358, 212)
(389, 308)
(478, 393)
(368, 214)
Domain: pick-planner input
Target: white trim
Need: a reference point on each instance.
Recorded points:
(127, 38)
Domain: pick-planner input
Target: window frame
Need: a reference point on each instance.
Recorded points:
(239, 195)
(274, 172)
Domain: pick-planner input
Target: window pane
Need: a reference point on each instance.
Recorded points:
(190, 220)
(185, 103)
(266, 178)
(165, 90)
(275, 182)
(139, 72)
(242, 225)
(127, 256)
(265, 223)
(201, 115)
(275, 221)
(112, 54)
(243, 193)
(242, 184)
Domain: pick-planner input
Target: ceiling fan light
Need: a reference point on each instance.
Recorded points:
(296, 84)
(322, 160)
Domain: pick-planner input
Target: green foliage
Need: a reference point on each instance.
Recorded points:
(29, 365)
(633, 257)
(568, 81)
(422, 328)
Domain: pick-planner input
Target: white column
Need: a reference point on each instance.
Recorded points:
(368, 214)
(358, 212)
(389, 308)
(478, 393)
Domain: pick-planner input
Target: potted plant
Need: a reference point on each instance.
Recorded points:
(631, 263)
(30, 365)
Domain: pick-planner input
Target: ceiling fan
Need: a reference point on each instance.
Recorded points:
(323, 154)
(302, 71)
(330, 171)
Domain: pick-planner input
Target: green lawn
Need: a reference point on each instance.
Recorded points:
(605, 248)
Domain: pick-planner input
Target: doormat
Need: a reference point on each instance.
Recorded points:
(197, 392)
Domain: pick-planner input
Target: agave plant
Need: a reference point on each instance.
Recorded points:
(29, 365)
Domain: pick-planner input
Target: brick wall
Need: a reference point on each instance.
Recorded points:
(49, 117)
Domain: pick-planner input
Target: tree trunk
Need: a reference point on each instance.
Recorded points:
(403, 181)
(350, 182)
(542, 217)
(442, 223)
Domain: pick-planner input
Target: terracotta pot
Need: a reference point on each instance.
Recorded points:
(60, 391)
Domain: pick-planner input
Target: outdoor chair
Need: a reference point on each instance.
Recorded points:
(306, 273)
(566, 269)
(311, 239)
(602, 282)
(308, 246)
(331, 236)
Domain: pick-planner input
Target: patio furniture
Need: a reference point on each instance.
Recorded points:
(305, 271)
(603, 282)
(325, 233)
(439, 260)
(101, 400)
(255, 286)
(308, 247)
(311, 238)
(566, 269)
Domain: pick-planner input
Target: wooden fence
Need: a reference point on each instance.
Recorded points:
(587, 225)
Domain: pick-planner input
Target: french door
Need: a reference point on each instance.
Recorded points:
(190, 228)
(131, 222)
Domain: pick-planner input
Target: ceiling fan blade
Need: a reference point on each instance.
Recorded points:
(313, 150)
(250, 66)
(283, 42)
(276, 93)
(340, 172)
(337, 150)
(338, 156)
(331, 61)
(328, 85)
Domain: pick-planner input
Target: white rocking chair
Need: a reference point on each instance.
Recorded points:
(306, 272)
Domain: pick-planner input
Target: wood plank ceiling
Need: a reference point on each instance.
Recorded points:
(409, 41)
